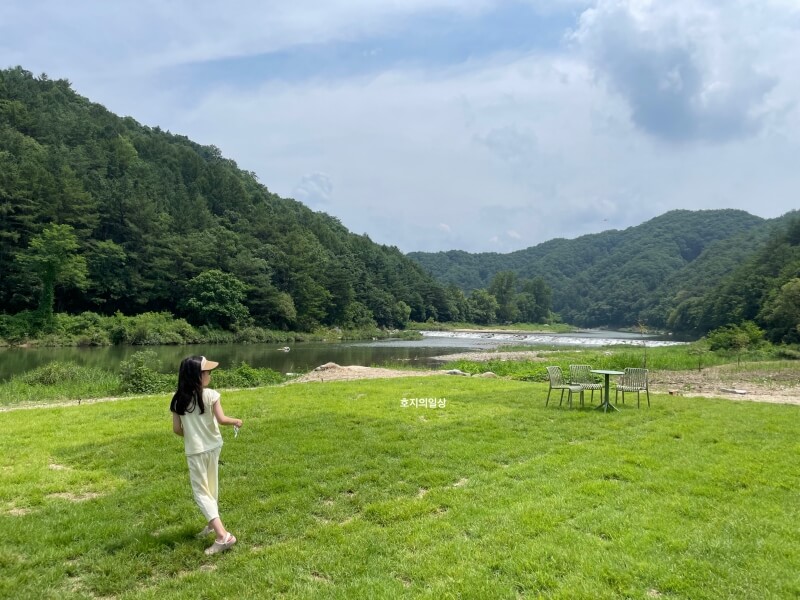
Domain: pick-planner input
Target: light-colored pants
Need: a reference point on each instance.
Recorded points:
(204, 476)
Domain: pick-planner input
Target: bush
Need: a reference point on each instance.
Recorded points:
(20, 327)
(787, 352)
(51, 374)
(736, 337)
(244, 376)
(259, 335)
(140, 374)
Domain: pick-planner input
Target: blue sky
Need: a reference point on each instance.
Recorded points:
(491, 125)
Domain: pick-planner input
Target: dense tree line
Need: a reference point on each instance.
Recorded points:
(99, 213)
(763, 289)
(685, 270)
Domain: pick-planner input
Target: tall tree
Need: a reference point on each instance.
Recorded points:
(53, 256)
(502, 288)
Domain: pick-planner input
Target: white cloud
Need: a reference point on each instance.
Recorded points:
(688, 70)
(538, 144)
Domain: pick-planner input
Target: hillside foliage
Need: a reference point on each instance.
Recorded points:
(691, 271)
(99, 213)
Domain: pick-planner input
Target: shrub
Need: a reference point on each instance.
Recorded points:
(51, 374)
(20, 327)
(788, 352)
(259, 335)
(244, 376)
(140, 374)
(735, 337)
(94, 337)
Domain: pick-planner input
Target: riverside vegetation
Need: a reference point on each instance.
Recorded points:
(492, 496)
(142, 373)
(155, 329)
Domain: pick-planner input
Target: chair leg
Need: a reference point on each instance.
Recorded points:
(637, 398)
(548, 396)
(647, 391)
(562, 397)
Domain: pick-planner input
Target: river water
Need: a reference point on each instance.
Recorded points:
(304, 356)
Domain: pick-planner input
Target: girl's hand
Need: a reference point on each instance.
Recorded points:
(237, 423)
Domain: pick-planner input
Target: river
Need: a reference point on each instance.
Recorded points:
(304, 356)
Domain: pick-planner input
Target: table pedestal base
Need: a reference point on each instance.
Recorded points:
(605, 405)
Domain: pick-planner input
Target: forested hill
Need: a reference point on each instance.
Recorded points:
(150, 218)
(663, 272)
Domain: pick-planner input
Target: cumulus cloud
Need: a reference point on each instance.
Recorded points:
(685, 68)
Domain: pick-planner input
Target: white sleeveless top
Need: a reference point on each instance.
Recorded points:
(201, 431)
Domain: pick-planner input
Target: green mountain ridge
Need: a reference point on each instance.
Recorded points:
(641, 275)
(156, 217)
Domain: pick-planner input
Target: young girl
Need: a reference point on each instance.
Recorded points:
(196, 413)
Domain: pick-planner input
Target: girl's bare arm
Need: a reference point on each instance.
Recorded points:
(222, 419)
(177, 427)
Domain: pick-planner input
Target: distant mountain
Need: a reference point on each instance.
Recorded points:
(152, 212)
(621, 278)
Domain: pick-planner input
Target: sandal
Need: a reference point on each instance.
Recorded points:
(206, 531)
(225, 544)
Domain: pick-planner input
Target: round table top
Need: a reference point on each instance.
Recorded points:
(606, 372)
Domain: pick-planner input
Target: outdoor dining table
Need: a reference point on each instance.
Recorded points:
(606, 404)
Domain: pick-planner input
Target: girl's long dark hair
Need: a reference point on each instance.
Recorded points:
(189, 394)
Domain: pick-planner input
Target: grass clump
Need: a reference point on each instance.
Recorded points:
(245, 376)
(139, 375)
(59, 381)
(491, 496)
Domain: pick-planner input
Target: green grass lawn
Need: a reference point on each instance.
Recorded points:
(338, 491)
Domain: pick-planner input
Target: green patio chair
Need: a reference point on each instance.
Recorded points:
(634, 380)
(581, 375)
(557, 383)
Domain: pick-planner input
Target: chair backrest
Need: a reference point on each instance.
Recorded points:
(635, 378)
(580, 374)
(556, 378)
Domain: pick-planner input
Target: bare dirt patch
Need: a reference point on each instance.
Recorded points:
(75, 497)
(334, 372)
(778, 386)
(18, 512)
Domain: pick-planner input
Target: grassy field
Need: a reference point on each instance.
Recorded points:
(339, 491)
